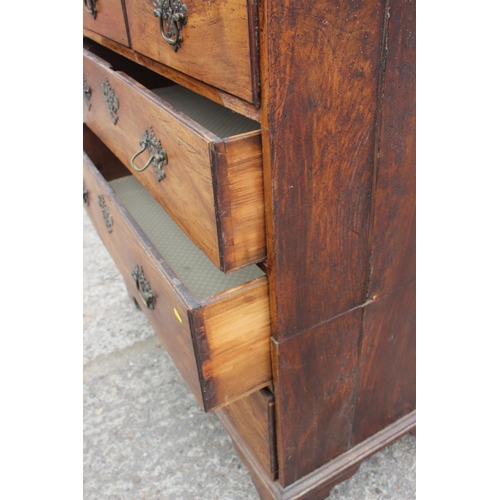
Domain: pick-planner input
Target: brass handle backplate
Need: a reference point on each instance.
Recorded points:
(85, 195)
(90, 7)
(108, 218)
(111, 99)
(157, 156)
(87, 93)
(173, 15)
(144, 288)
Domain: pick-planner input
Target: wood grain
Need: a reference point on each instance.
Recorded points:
(338, 142)
(216, 45)
(192, 173)
(394, 235)
(109, 22)
(232, 338)
(314, 412)
(191, 206)
(321, 71)
(318, 484)
(210, 92)
(253, 417)
(239, 191)
(220, 345)
(319, 96)
(387, 371)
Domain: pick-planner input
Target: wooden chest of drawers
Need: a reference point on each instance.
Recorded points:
(250, 168)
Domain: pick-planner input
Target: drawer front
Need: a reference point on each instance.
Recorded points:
(253, 418)
(129, 250)
(218, 43)
(212, 188)
(107, 18)
(220, 345)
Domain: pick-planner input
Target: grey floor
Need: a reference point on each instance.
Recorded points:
(144, 434)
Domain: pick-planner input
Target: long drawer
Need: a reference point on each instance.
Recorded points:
(107, 18)
(215, 326)
(215, 42)
(252, 420)
(205, 161)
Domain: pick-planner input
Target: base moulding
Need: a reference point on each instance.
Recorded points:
(317, 484)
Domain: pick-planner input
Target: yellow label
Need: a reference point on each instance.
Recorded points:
(177, 315)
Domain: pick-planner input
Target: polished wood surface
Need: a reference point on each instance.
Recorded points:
(230, 233)
(210, 92)
(318, 130)
(338, 157)
(188, 160)
(386, 388)
(394, 223)
(337, 101)
(318, 484)
(221, 344)
(253, 418)
(387, 371)
(314, 378)
(215, 47)
(109, 22)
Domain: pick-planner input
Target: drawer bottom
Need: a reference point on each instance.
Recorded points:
(191, 265)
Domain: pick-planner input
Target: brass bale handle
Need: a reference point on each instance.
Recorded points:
(143, 287)
(172, 15)
(157, 155)
(134, 166)
(90, 7)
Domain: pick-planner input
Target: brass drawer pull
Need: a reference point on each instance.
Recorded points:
(173, 15)
(90, 7)
(143, 287)
(157, 156)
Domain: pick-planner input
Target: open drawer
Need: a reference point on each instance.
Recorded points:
(215, 326)
(201, 161)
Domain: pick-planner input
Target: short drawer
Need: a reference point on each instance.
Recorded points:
(107, 18)
(215, 326)
(215, 42)
(205, 161)
(253, 423)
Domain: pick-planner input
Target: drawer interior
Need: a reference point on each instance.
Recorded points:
(217, 119)
(202, 278)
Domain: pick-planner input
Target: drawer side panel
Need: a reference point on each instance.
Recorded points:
(239, 189)
(233, 340)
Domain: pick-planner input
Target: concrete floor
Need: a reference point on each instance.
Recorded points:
(145, 436)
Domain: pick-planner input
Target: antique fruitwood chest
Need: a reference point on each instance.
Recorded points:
(250, 166)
